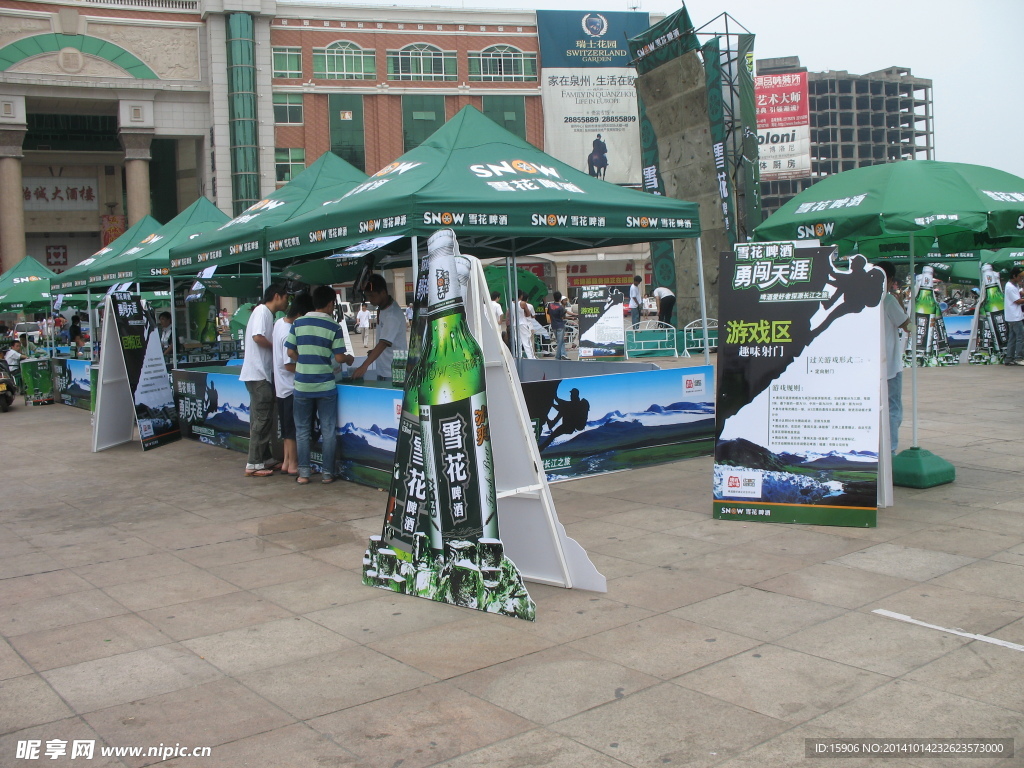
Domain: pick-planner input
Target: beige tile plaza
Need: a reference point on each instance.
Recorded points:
(161, 597)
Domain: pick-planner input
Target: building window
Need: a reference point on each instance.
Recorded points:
(346, 124)
(422, 62)
(288, 108)
(502, 63)
(288, 62)
(289, 162)
(344, 61)
(507, 111)
(421, 116)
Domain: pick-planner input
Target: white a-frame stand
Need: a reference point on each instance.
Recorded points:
(114, 420)
(534, 539)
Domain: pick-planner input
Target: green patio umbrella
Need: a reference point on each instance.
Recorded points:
(26, 286)
(243, 237)
(150, 259)
(899, 210)
(501, 195)
(880, 210)
(1005, 259)
(496, 277)
(236, 286)
(76, 279)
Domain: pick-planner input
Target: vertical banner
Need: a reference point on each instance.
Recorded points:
(748, 120)
(112, 226)
(716, 118)
(799, 383)
(783, 126)
(152, 397)
(587, 88)
(602, 329)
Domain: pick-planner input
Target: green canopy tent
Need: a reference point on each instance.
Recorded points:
(26, 286)
(502, 196)
(149, 259)
(894, 211)
(526, 280)
(244, 238)
(76, 279)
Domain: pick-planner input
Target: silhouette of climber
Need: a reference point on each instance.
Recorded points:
(212, 398)
(863, 285)
(572, 413)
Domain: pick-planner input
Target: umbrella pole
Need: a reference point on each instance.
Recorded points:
(703, 303)
(266, 274)
(415, 264)
(174, 327)
(513, 300)
(913, 357)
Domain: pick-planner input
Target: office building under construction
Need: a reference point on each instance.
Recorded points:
(855, 121)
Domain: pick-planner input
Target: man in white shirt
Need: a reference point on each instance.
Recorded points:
(390, 329)
(666, 303)
(636, 299)
(363, 321)
(13, 357)
(1014, 316)
(258, 375)
(499, 314)
(894, 320)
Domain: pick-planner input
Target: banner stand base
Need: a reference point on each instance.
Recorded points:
(918, 468)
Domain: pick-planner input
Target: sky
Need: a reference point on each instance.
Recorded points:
(972, 52)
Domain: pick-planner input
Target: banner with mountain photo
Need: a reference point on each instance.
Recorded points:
(593, 424)
(799, 382)
(151, 392)
(74, 382)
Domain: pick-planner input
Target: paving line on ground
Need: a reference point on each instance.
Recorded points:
(960, 632)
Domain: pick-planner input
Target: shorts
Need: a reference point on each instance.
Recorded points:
(287, 417)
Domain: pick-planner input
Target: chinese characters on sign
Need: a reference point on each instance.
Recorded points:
(783, 126)
(59, 193)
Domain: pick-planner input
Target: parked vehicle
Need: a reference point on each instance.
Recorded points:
(8, 387)
(33, 330)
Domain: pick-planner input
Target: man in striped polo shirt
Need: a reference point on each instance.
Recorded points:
(313, 341)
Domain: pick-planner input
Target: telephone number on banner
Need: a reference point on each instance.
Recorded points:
(600, 119)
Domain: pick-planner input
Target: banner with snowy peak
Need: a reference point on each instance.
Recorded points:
(799, 382)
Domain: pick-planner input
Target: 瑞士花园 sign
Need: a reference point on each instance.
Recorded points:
(798, 390)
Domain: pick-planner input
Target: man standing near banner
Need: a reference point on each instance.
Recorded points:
(315, 338)
(894, 320)
(258, 375)
(390, 329)
(1014, 316)
(636, 300)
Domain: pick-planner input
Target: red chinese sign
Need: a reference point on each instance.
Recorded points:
(58, 193)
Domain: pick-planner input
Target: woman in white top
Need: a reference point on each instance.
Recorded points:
(524, 321)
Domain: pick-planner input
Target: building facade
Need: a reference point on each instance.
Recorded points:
(136, 107)
(855, 121)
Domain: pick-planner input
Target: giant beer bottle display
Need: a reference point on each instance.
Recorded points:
(991, 321)
(440, 538)
(929, 325)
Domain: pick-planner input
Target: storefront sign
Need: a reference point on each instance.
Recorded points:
(783, 126)
(59, 193)
(798, 390)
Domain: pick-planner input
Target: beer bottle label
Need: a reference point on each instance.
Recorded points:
(409, 503)
(458, 447)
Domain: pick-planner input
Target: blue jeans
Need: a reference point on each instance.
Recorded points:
(634, 315)
(560, 343)
(327, 412)
(1014, 341)
(895, 408)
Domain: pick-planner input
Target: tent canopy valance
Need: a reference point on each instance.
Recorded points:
(76, 279)
(243, 238)
(26, 285)
(501, 195)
